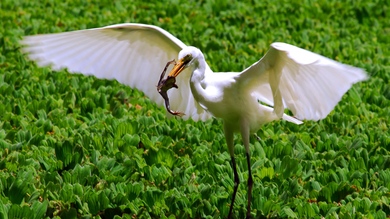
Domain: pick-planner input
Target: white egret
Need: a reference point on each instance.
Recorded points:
(308, 84)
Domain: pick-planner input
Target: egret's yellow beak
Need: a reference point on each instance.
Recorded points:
(180, 66)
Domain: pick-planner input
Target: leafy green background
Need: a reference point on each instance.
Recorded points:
(76, 147)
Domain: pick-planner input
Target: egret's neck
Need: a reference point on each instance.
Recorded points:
(197, 79)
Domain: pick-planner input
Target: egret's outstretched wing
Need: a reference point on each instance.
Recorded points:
(308, 84)
(133, 54)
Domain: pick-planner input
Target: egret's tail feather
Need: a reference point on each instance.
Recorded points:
(292, 119)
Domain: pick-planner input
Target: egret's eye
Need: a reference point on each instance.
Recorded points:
(187, 59)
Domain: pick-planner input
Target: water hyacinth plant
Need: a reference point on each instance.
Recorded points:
(79, 147)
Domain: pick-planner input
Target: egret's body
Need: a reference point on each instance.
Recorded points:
(308, 84)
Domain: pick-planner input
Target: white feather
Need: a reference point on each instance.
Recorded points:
(132, 54)
(309, 84)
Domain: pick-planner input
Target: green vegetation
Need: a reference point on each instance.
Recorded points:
(76, 147)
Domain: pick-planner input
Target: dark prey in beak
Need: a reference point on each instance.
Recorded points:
(164, 85)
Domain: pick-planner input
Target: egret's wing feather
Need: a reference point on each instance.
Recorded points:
(133, 54)
(309, 84)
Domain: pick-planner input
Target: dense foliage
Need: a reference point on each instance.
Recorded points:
(77, 147)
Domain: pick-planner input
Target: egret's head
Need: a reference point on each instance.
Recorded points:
(187, 57)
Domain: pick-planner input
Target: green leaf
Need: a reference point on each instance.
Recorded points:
(316, 185)
(93, 202)
(66, 193)
(17, 211)
(70, 213)
(289, 167)
(135, 189)
(153, 197)
(3, 211)
(39, 209)
(64, 152)
(20, 187)
(290, 213)
(267, 172)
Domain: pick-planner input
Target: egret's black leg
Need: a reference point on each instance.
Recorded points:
(229, 141)
(250, 184)
(236, 183)
(245, 133)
